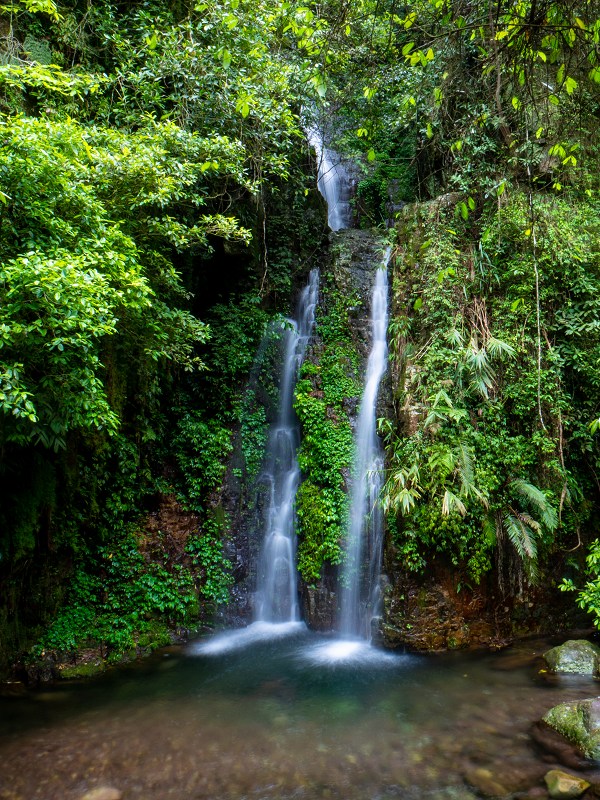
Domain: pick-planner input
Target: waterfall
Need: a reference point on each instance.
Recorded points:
(277, 594)
(360, 593)
(333, 181)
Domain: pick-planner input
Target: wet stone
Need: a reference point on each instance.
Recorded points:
(577, 656)
(563, 786)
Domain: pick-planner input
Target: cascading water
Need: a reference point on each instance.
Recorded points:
(277, 594)
(334, 183)
(360, 593)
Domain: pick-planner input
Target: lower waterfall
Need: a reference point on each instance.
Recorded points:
(360, 594)
(277, 592)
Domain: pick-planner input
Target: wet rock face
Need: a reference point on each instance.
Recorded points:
(577, 656)
(579, 723)
(319, 606)
(436, 612)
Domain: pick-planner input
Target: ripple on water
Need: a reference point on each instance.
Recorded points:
(355, 652)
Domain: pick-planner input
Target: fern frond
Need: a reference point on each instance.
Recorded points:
(465, 469)
(490, 528)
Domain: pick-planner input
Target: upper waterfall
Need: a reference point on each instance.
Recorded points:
(333, 181)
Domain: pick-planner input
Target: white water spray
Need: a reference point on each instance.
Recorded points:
(334, 183)
(360, 591)
(277, 592)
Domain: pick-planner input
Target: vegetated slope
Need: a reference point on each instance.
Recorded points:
(155, 181)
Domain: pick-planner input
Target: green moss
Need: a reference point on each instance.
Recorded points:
(85, 670)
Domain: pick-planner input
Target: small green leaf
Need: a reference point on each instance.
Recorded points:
(570, 85)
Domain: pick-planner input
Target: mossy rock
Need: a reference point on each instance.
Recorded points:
(86, 669)
(579, 723)
(577, 656)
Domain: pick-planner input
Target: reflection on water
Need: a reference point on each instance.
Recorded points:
(294, 716)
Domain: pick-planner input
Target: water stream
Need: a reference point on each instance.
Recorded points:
(360, 595)
(269, 722)
(277, 591)
(333, 181)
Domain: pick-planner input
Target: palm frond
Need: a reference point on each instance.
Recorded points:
(499, 348)
(521, 536)
(455, 337)
(452, 503)
(536, 498)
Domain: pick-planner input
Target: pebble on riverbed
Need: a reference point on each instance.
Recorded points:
(103, 793)
(563, 786)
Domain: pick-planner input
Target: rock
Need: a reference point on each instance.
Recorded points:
(576, 656)
(12, 689)
(562, 785)
(103, 793)
(485, 782)
(558, 748)
(579, 722)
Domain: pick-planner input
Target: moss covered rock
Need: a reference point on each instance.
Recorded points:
(576, 656)
(86, 669)
(579, 722)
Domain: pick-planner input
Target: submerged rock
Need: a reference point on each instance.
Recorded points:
(485, 782)
(577, 656)
(563, 786)
(579, 722)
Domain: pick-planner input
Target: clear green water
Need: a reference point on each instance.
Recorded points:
(278, 719)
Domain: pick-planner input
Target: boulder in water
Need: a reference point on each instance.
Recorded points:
(563, 786)
(577, 656)
(579, 722)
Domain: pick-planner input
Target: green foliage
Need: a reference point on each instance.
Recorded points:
(329, 383)
(114, 599)
(87, 220)
(200, 449)
(588, 598)
(490, 455)
(206, 552)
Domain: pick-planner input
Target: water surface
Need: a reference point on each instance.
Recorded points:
(278, 712)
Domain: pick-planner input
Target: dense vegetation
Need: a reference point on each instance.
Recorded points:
(157, 208)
